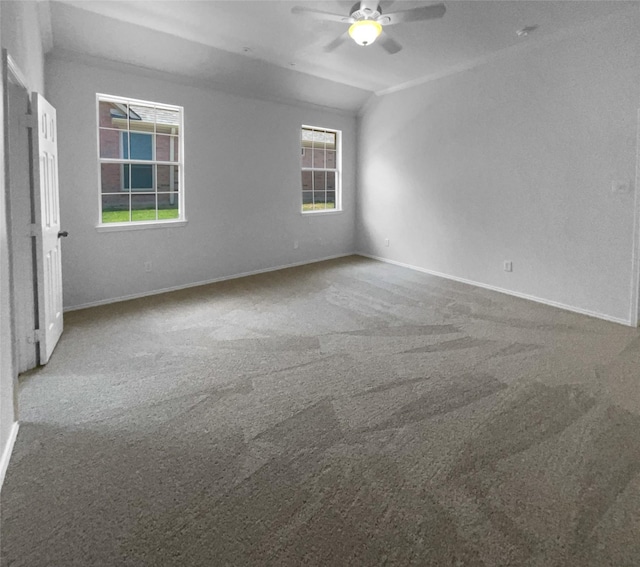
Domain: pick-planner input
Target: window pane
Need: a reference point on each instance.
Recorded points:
(141, 145)
(175, 142)
(167, 148)
(319, 199)
(168, 205)
(319, 182)
(330, 139)
(115, 208)
(319, 161)
(318, 158)
(307, 181)
(113, 115)
(141, 177)
(110, 144)
(142, 118)
(143, 207)
(307, 154)
(319, 139)
(167, 121)
(144, 133)
(168, 178)
(331, 181)
(124, 145)
(112, 178)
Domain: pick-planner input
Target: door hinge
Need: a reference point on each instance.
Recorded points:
(33, 230)
(28, 121)
(35, 337)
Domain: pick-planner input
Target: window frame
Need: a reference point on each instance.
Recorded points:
(337, 170)
(181, 219)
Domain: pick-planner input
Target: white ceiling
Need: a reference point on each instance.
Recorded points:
(258, 47)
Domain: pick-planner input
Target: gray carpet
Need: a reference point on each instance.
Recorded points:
(343, 413)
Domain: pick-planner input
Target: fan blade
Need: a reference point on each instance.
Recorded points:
(337, 42)
(321, 15)
(413, 15)
(389, 44)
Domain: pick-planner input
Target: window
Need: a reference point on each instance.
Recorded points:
(140, 155)
(320, 161)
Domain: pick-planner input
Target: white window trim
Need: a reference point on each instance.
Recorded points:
(338, 170)
(323, 212)
(139, 225)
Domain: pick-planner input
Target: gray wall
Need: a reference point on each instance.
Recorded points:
(7, 416)
(20, 35)
(242, 183)
(22, 38)
(513, 160)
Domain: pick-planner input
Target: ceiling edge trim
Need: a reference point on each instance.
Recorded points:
(513, 50)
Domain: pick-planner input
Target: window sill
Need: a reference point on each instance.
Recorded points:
(322, 213)
(120, 226)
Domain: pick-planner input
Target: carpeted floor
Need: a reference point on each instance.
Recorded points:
(344, 413)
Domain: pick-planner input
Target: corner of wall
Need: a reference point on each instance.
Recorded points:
(8, 426)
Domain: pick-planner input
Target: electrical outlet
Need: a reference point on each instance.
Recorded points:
(386, 242)
(621, 187)
(295, 244)
(148, 266)
(508, 266)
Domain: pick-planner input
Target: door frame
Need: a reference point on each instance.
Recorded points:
(634, 314)
(24, 305)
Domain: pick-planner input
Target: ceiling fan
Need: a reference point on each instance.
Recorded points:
(366, 21)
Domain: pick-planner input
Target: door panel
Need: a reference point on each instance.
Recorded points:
(47, 226)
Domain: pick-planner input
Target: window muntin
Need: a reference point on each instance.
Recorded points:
(320, 167)
(140, 156)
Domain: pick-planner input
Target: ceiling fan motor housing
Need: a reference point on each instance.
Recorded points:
(358, 13)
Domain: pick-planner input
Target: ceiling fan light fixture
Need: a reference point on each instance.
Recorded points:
(365, 32)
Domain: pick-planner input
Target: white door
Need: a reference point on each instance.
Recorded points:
(47, 225)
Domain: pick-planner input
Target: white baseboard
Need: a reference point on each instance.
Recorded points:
(556, 304)
(550, 303)
(8, 449)
(205, 282)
